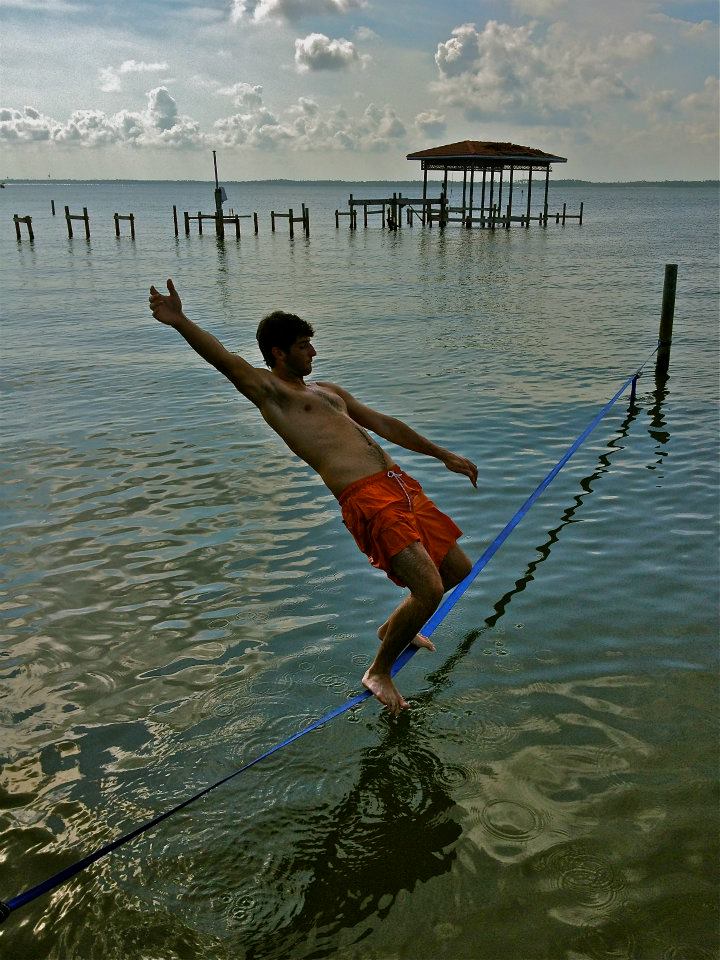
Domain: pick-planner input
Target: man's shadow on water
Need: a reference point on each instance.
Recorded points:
(395, 828)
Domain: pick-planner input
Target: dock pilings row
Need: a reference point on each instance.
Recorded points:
(393, 211)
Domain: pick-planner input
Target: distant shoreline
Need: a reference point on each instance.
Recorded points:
(556, 183)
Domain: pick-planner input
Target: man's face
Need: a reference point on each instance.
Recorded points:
(299, 357)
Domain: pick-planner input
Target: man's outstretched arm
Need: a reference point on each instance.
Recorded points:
(250, 381)
(394, 430)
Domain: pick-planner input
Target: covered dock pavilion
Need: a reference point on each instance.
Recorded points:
(493, 159)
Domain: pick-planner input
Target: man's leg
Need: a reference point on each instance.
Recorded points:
(414, 566)
(454, 568)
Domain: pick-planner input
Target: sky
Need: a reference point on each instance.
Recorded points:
(344, 89)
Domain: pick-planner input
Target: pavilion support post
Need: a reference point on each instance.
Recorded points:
(527, 213)
(482, 199)
(545, 202)
(492, 190)
(464, 191)
(510, 193)
(445, 181)
(468, 222)
(424, 189)
(499, 203)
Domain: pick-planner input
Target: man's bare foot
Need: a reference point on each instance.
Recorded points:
(382, 687)
(419, 641)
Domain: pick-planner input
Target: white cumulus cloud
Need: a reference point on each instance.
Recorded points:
(159, 124)
(244, 94)
(318, 52)
(289, 10)
(512, 73)
(111, 77)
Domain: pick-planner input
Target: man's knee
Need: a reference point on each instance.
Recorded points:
(430, 590)
(454, 568)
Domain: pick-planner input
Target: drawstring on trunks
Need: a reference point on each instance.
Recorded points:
(398, 477)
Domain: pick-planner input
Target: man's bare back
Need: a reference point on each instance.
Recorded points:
(327, 428)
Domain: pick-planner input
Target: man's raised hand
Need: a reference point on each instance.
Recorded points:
(166, 309)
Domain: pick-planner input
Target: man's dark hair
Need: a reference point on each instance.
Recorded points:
(281, 330)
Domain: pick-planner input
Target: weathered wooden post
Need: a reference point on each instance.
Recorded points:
(187, 224)
(365, 215)
(219, 197)
(290, 218)
(117, 224)
(468, 224)
(84, 217)
(17, 220)
(482, 199)
(52, 207)
(306, 220)
(255, 221)
(490, 201)
(527, 212)
(510, 193)
(564, 212)
(545, 204)
(667, 315)
(175, 223)
(581, 213)
(199, 219)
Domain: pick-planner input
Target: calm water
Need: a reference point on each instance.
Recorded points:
(180, 592)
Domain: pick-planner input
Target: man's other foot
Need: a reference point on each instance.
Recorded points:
(419, 641)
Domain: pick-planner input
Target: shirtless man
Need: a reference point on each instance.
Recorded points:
(392, 520)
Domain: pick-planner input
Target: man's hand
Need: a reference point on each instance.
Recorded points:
(166, 309)
(461, 465)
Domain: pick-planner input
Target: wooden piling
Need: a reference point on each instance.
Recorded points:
(69, 217)
(199, 220)
(131, 220)
(667, 315)
(527, 213)
(468, 222)
(510, 193)
(17, 220)
(52, 207)
(175, 223)
(563, 213)
(581, 213)
(187, 224)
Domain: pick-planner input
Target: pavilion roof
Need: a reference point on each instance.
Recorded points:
(484, 150)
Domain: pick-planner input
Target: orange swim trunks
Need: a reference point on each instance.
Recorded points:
(388, 511)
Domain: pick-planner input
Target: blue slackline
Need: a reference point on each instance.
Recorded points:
(8, 906)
